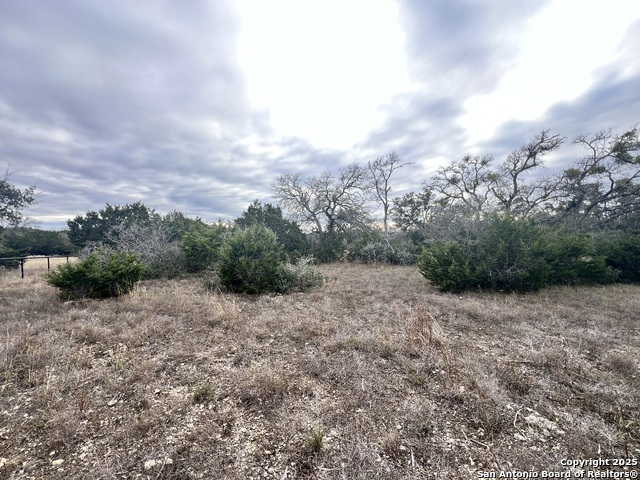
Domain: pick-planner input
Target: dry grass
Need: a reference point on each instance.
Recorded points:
(374, 375)
(36, 265)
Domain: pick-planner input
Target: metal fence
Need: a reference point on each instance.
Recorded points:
(22, 260)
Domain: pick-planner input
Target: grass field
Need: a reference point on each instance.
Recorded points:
(36, 265)
(375, 375)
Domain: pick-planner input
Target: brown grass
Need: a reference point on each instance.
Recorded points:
(374, 375)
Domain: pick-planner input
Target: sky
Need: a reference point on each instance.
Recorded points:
(199, 106)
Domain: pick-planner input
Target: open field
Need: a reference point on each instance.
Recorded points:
(36, 265)
(40, 263)
(373, 376)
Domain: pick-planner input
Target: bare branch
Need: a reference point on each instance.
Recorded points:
(381, 170)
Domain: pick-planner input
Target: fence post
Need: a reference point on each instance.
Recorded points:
(22, 267)
(48, 265)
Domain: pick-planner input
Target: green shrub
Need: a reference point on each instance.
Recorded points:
(622, 253)
(251, 261)
(510, 256)
(513, 255)
(573, 259)
(447, 266)
(288, 232)
(299, 277)
(328, 247)
(100, 275)
(7, 253)
(201, 246)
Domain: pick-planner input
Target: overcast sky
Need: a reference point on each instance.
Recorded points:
(198, 106)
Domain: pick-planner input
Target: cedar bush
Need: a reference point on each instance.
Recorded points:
(288, 232)
(574, 260)
(328, 247)
(448, 266)
(201, 246)
(514, 255)
(622, 253)
(100, 275)
(251, 261)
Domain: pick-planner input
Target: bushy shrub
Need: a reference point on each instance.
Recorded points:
(287, 232)
(201, 246)
(10, 253)
(384, 252)
(622, 253)
(328, 247)
(372, 253)
(448, 266)
(100, 275)
(573, 259)
(373, 247)
(299, 277)
(510, 256)
(513, 255)
(251, 261)
(155, 244)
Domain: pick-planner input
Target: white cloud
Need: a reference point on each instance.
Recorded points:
(322, 69)
(561, 52)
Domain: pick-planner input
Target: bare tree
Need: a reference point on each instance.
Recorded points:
(516, 195)
(604, 185)
(154, 241)
(467, 183)
(328, 202)
(381, 170)
(299, 198)
(414, 210)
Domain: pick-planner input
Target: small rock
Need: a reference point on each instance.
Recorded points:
(57, 462)
(149, 464)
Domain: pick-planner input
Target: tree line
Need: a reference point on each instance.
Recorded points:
(351, 214)
(601, 190)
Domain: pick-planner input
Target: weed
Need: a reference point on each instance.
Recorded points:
(203, 394)
(314, 440)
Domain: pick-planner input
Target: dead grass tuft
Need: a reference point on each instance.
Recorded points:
(623, 364)
(421, 327)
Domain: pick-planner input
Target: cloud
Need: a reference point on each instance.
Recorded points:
(457, 49)
(463, 46)
(126, 101)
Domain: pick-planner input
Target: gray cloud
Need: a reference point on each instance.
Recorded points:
(457, 49)
(126, 101)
